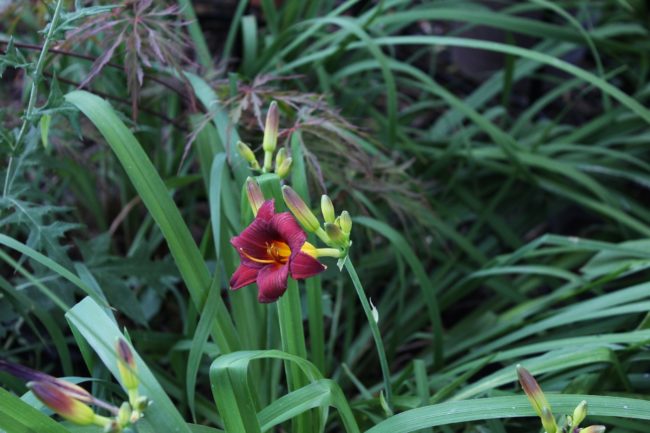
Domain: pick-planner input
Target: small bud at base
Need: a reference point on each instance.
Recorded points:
(299, 209)
(284, 169)
(345, 222)
(280, 157)
(548, 420)
(579, 414)
(247, 154)
(124, 415)
(327, 209)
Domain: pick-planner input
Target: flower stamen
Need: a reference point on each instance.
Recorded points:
(253, 259)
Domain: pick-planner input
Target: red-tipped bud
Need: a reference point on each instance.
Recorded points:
(254, 194)
(271, 128)
(126, 365)
(537, 399)
(593, 429)
(327, 209)
(299, 209)
(532, 389)
(62, 403)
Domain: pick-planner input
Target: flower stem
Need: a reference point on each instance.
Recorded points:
(322, 235)
(33, 93)
(328, 252)
(374, 329)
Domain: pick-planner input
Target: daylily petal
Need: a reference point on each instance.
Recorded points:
(272, 282)
(243, 276)
(289, 230)
(266, 211)
(253, 240)
(305, 266)
(30, 375)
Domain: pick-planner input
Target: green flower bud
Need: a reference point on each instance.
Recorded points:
(271, 128)
(345, 222)
(548, 420)
(579, 414)
(327, 208)
(280, 157)
(299, 209)
(247, 154)
(284, 169)
(124, 415)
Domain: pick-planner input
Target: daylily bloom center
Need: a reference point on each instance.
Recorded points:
(272, 248)
(276, 252)
(279, 252)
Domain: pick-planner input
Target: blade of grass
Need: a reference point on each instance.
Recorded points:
(155, 196)
(507, 407)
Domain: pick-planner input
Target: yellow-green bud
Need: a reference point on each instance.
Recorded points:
(56, 399)
(124, 415)
(280, 156)
(345, 222)
(284, 169)
(126, 366)
(327, 208)
(299, 209)
(254, 194)
(579, 414)
(271, 128)
(247, 153)
(548, 420)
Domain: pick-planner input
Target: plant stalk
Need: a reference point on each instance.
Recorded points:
(33, 94)
(374, 329)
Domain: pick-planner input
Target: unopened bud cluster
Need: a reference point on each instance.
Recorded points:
(335, 230)
(73, 402)
(543, 409)
(282, 164)
(131, 411)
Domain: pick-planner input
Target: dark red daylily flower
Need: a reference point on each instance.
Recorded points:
(272, 248)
